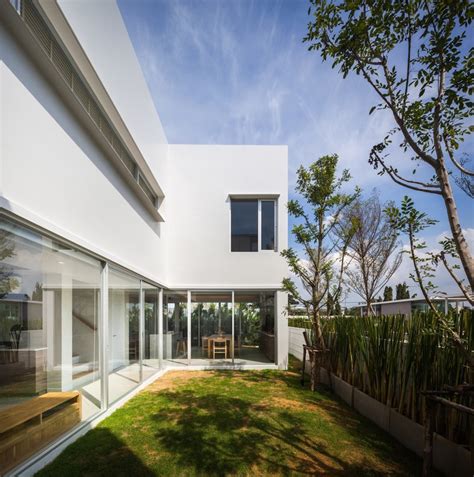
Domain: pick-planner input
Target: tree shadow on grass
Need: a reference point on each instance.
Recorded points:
(98, 453)
(214, 434)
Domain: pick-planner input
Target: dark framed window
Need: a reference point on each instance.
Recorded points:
(253, 225)
(244, 225)
(268, 225)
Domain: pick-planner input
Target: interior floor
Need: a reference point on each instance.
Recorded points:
(246, 356)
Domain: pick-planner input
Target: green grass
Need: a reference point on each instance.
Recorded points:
(234, 423)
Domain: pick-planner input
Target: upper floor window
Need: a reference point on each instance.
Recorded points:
(253, 225)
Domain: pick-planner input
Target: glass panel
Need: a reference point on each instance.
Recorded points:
(254, 327)
(124, 316)
(49, 325)
(268, 225)
(151, 343)
(175, 327)
(211, 326)
(244, 219)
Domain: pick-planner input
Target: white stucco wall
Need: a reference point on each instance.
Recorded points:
(104, 38)
(52, 173)
(201, 178)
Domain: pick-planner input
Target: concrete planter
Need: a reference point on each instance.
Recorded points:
(407, 432)
(372, 409)
(450, 458)
(344, 390)
(324, 376)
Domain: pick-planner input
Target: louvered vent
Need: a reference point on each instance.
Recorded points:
(65, 68)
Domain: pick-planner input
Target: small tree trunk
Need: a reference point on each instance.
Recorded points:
(314, 372)
(461, 245)
(428, 448)
(317, 344)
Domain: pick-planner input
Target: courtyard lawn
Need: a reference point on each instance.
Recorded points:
(234, 423)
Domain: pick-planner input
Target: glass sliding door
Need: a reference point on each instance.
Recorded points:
(175, 327)
(151, 344)
(124, 333)
(49, 331)
(211, 326)
(254, 327)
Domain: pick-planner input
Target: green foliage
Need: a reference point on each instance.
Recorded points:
(416, 56)
(37, 293)
(317, 217)
(364, 38)
(402, 291)
(7, 250)
(393, 358)
(300, 322)
(410, 221)
(388, 294)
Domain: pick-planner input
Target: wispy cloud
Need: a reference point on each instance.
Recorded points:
(236, 72)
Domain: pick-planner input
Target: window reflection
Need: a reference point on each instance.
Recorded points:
(244, 218)
(49, 320)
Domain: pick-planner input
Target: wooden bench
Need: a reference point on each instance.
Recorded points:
(27, 427)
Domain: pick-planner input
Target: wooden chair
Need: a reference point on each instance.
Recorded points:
(219, 347)
(181, 347)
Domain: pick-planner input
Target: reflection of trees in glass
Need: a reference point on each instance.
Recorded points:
(7, 250)
(9, 316)
(250, 326)
(37, 293)
(133, 318)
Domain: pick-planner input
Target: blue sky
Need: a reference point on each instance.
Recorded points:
(237, 72)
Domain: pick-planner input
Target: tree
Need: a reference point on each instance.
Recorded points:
(402, 292)
(372, 248)
(37, 293)
(7, 250)
(428, 95)
(408, 220)
(388, 294)
(317, 218)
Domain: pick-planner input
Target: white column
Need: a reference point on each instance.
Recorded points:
(141, 330)
(104, 336)
(189, 327)
(281, 329)
(49, 314)
(65, 336)
(232, 345)
(160, 327)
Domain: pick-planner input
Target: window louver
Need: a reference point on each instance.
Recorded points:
(65, 68)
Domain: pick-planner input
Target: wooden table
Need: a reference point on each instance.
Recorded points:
(211, 340)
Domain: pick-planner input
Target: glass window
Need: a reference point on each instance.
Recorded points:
(175, 326)
(124, 325)
(268, 225)
(244, 219)
(246, 216)
(49, 325)
(211, 323)
(151, 342)
(254, 327)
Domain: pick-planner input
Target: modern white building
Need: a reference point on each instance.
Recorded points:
(408, 306)
(121, 255)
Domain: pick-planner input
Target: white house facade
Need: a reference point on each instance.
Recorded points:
(121, 255)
